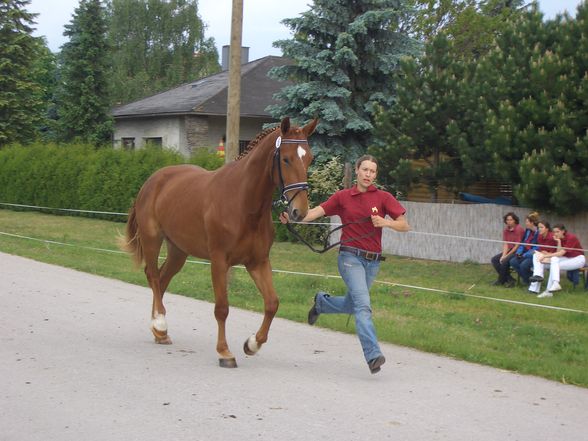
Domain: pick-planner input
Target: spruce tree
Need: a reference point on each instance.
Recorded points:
(84, 91)
(21, 107)
(45, 71)
(346, 55)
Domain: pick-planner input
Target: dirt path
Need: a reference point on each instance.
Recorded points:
(78, 363)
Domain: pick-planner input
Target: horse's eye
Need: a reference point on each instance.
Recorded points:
(286, 161)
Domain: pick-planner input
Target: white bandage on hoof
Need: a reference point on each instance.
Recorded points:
(252, 344)
(159, 323)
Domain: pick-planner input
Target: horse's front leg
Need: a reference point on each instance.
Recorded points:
(219, 270)
(262, 276)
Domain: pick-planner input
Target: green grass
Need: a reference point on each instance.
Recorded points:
(548, 343)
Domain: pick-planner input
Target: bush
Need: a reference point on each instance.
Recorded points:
(83, 177)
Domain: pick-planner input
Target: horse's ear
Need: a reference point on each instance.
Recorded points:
(310, 127)
(285, 126)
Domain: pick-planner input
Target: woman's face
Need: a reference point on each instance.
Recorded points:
(366, 174)
(529, 224)
(557, 233)
(542, 229)
(510, 222)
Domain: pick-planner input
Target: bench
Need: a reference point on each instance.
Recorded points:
(573, 276)
(584, 272)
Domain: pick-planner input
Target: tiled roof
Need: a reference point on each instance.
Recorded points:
(208, 96)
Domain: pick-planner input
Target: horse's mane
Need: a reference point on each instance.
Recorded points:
(256, 141)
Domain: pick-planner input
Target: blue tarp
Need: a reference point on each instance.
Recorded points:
(500, 200)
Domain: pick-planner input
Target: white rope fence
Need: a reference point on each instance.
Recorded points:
(328, 224)
(297, 273)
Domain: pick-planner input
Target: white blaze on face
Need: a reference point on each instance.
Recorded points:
(301, 152)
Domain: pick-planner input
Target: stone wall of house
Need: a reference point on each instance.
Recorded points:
(197, 133)
(184, 134)
(168, 131)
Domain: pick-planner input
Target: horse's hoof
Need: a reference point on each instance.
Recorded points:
(250, 347)
(227, 362)
(163, 341)
(247, 350)
(161, 337)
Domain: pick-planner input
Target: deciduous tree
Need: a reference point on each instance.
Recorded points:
(157, 44)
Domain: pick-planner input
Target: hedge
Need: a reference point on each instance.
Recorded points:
(83, 177)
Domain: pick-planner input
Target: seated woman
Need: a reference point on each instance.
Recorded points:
(523, 260)
(511, 235)
(545, 244)
(568, 256)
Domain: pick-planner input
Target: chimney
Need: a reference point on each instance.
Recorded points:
(225, 56)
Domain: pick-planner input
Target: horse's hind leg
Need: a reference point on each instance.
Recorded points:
(219, 270)
(174, 262)
(262, 276)
(151, 248)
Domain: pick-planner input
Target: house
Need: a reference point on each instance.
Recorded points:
(193, 115)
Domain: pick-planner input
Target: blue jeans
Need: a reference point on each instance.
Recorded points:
(358, 274)
(524, 267)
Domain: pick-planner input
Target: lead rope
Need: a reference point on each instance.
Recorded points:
(325, 240)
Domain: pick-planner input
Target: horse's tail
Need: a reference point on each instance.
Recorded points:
(131, 241)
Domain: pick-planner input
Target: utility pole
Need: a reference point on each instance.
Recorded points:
(234, 93)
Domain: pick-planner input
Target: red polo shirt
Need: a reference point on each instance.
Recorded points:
(547, 240)
(571, 241)
(514, 235)
(351, 205)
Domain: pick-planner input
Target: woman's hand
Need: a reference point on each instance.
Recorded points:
(379, 221)
(284, 218)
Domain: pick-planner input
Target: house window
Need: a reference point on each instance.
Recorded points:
(153, 142)
(128, 143)
(243, 145)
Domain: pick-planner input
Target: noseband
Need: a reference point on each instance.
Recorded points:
(299, 186)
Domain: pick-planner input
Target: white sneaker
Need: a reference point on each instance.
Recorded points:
(545, 294)
(555, 286)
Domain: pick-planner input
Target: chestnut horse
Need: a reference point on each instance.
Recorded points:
(223, 216)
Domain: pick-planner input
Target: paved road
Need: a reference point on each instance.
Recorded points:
(77, 362)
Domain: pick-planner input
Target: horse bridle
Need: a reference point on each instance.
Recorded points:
(284, 189)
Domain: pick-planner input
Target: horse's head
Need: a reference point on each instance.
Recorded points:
(292, 158)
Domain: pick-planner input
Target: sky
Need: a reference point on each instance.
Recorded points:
(261, 20)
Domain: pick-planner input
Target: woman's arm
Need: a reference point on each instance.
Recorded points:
(399, 224)
(313, 213)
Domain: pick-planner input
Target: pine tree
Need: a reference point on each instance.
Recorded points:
(415, 127)
(156, 45)
(84, 97)
(346, 55)
(21, 107)
(553, 171)
(444, 98)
